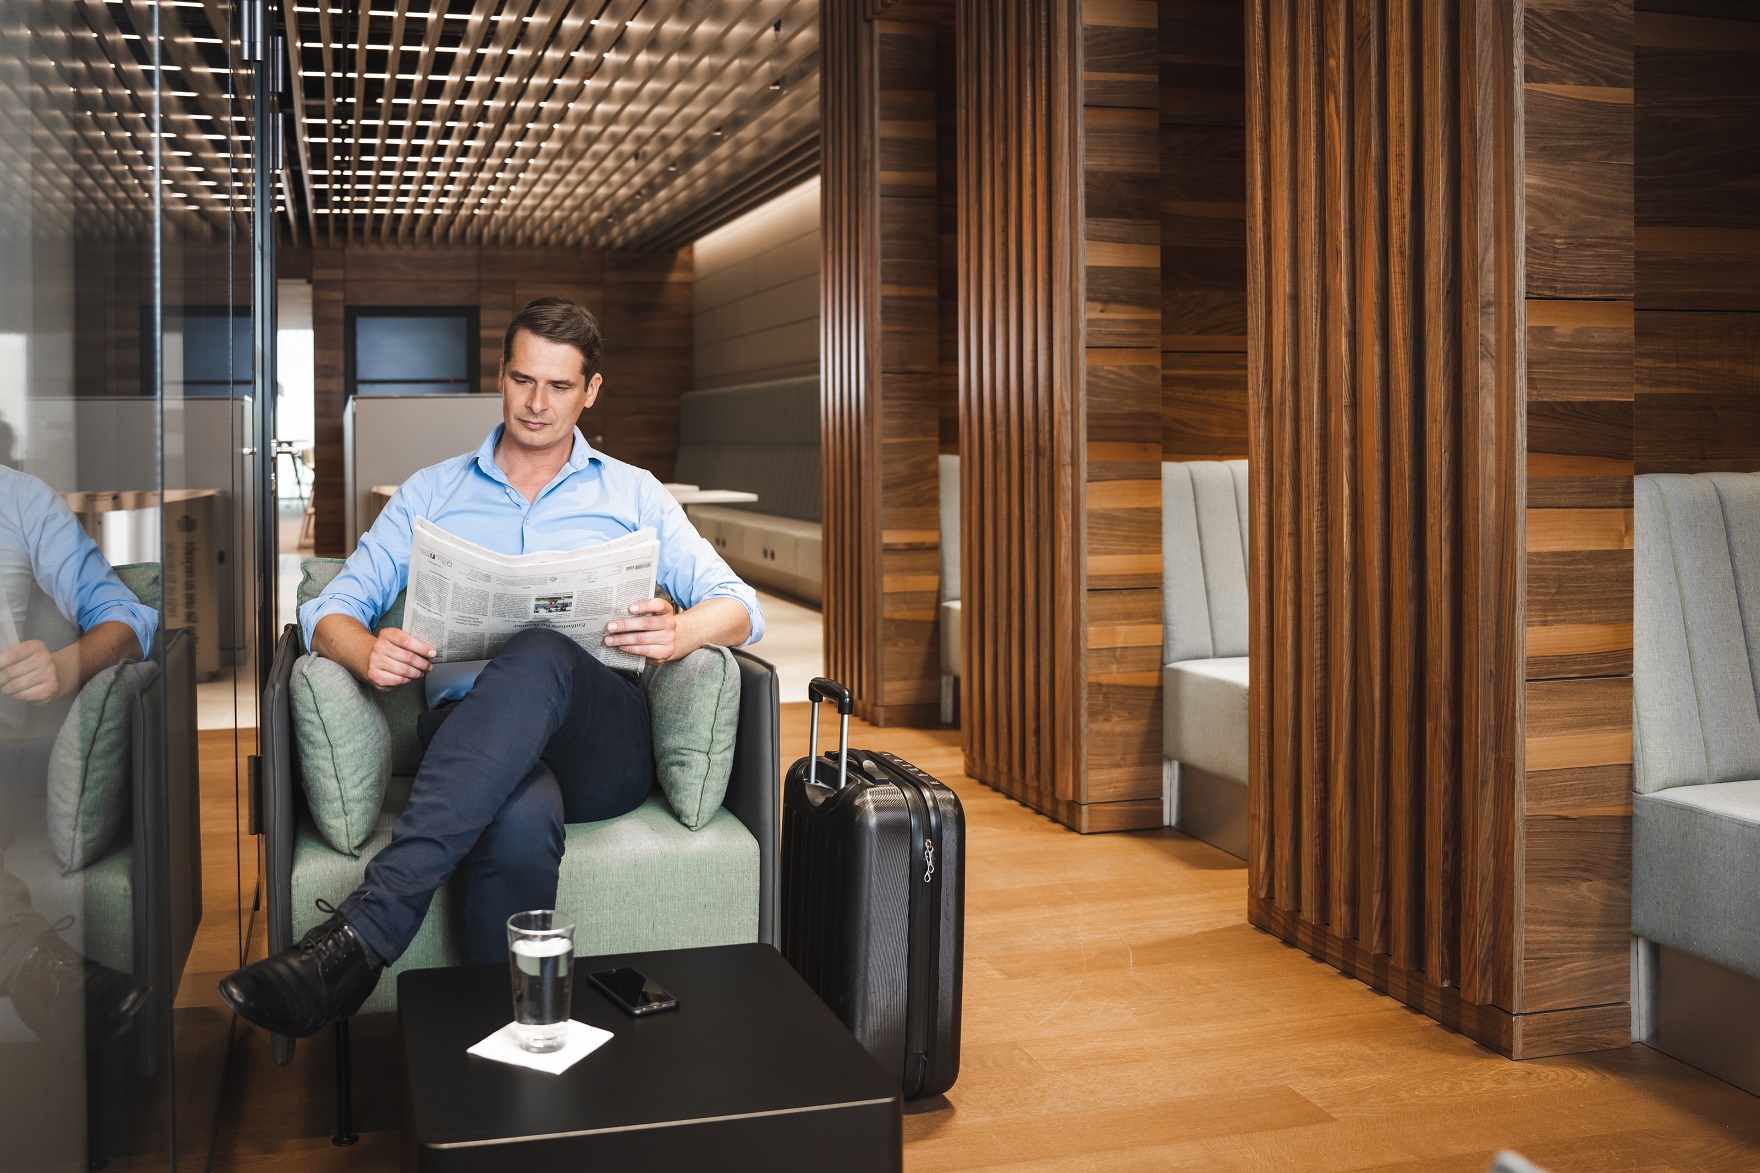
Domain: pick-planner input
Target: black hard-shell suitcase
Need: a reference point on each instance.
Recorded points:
(873, 900)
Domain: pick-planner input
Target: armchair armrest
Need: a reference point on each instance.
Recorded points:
(276, 802)
(754, 792)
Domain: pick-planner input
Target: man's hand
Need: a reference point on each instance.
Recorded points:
(397, 657)
(29, 672)
(651, 631)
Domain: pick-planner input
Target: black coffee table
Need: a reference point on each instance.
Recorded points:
(750, 1072)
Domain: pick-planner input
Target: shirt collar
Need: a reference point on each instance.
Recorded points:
(579, 457)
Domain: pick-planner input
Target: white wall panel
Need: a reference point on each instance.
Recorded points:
(757, 293)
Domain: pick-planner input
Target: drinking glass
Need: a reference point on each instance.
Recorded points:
(540, 955)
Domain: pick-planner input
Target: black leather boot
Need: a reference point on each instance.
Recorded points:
(71, 1000)
(301, 990)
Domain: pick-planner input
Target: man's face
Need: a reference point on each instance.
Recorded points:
(543, 392)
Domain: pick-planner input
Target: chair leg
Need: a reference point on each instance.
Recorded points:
(345, 1134)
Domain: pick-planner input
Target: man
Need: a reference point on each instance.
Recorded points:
(60, 995)
(547, 734)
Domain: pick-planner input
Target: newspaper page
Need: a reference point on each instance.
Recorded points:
(467, 601)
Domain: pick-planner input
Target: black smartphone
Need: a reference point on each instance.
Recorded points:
(633, 991)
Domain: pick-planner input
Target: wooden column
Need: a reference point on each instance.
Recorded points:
(1203, 231)
(1697, 394)
(1573, 983)
(880, 411)
(1439, 512)
(1060, 406)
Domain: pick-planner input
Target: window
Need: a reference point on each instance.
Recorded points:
(422, 351)
(207, 350)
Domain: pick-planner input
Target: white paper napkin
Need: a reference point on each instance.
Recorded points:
(503, 1047)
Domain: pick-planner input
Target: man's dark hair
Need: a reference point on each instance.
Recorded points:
(559, 320)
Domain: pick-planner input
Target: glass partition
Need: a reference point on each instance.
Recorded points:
(128, 575)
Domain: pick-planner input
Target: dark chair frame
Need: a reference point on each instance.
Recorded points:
(754, 797)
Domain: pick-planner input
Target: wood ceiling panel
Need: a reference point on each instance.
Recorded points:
(542, 122)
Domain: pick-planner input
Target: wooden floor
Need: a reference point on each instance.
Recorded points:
(1120, 1014)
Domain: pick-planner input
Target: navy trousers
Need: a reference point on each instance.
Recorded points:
(548, 735)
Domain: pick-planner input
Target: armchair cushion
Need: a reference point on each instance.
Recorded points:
(694, 706)
(632, 883)
(89, 778)
(401, 704)
(344, 751)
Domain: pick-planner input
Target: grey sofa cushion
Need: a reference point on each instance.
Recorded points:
(1204, 559)
(948, 467)
(1696, 870)
(761, 437)
(950, 650)
(1205, 722)
(1696, 560)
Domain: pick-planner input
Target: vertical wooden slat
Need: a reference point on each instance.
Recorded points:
(1342, 515)
(1406, 456)
(1283, 517)
(1263, 765)
(1443, 459)
(1315, 454)
(1374, 694)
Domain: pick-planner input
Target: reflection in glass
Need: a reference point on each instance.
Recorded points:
(126, 578)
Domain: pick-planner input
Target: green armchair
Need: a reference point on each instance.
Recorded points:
(642, 881)
(136, 906)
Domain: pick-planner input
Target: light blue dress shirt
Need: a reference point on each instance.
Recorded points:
(42, 544)
(593, 499)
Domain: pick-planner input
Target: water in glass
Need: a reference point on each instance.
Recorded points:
(540, 956)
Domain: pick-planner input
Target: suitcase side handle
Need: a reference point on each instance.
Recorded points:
(823, 688)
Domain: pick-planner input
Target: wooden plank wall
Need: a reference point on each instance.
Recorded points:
(1573, 984)
(1121, 406)
(1393, 831)
(642, 300)
(1697, 401)
(881, 354)
(1203, 230)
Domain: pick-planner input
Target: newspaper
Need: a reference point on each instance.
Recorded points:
(467, 601)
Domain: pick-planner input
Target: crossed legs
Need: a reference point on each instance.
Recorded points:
(548, 735)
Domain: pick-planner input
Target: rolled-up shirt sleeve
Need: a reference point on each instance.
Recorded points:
(376, 571)
(690, 569)
(72, 570)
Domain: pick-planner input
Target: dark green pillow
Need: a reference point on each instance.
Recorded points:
(344, 751)
(90, 785)
(693, 704)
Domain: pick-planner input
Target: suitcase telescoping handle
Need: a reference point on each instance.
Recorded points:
(825, 689)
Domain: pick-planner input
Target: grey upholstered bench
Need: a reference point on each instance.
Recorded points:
(1696, 769)
(762, 438)
(949, 594)
(1204, 601)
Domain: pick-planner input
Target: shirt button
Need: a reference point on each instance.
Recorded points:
(528, 521)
